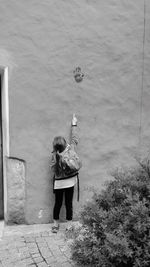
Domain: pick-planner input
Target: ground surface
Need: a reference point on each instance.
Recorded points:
(34, 245)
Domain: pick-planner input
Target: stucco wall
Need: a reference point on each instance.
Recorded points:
(42, 42)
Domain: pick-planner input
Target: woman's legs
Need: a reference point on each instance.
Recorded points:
(58, 204)
(68, 202)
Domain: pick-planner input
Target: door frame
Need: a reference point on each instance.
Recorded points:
(5, 131)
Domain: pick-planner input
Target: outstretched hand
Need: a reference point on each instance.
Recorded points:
(74, 120)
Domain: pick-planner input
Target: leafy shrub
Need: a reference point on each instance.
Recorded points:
(115, 230)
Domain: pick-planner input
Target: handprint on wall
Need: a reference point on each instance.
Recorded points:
(78, 75)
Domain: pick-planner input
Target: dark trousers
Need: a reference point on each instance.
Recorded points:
(68, 202)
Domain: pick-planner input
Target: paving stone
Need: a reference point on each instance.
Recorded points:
(53, 246)
(51, 234)
(7, 263)
(19, 244)
(28, 261)
(7, 239)
(23, 249)
(39, 239)
(44, 244)
(36, 255)
(45, 234)
(23, 256)
(63, 248)
(67, 264)
(57, 252)
(19, 238)
(58, 237)
(56, 264)
(47, 254)
(42, 264)
(50, 260)
(38, 259)
(32, 245)
(5, 255)
(11, 246)
(14, 258)
(33, 250)
(26, 254)
(44, 250)
(20, 264)
(36, 235)
(48, 239)
(13, 251)
(29, 239)
(61, 259)
(3, 248)
(61, 242)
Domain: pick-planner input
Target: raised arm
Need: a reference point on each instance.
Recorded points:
(74, 136)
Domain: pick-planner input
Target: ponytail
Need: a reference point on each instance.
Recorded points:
(59, 145)
(58, 166)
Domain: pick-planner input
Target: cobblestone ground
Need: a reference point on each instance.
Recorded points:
(34, 246)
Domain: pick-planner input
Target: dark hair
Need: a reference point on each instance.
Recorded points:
(59, 145)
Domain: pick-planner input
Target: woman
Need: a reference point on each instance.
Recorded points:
(63, 186)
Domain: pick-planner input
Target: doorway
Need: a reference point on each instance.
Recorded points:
(1, 158)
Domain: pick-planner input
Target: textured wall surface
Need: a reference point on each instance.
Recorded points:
(16, 191)
(42, 42)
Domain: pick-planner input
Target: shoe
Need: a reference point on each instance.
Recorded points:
(55, 229)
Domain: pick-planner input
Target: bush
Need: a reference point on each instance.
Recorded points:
(115, 228)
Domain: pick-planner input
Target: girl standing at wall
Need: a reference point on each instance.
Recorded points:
(66, 185)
